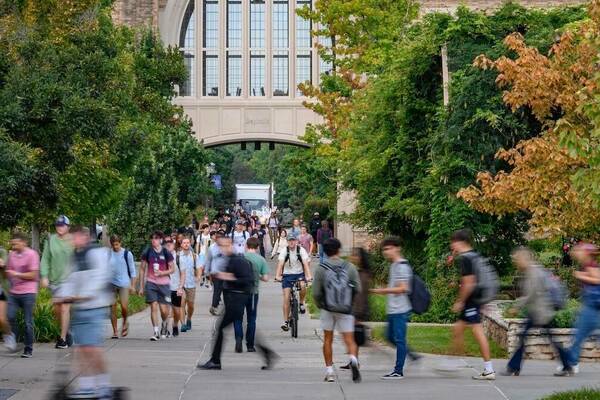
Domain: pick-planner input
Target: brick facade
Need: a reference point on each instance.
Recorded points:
(145, 12)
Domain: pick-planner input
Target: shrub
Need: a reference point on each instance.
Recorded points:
(581, 394)
(564, 318)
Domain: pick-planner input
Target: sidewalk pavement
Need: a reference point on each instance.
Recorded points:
(166, 369)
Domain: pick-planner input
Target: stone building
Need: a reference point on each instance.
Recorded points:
(245, 59)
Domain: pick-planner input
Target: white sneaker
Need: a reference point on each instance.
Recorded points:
(10, 342)
(485, 376)
(329, 377)
(574, 368)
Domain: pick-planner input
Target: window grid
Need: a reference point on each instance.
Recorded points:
(234, 24)
(280, 22)
(187, 43)
(325, 66)
(303, 69)
(234, 74)
(303, 27)
(211, 24)
(210, 74)
(281, 73)
(257, 74)
(257, 24)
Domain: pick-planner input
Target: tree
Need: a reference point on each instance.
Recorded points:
(555, 176)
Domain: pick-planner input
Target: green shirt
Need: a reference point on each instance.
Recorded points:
(56, 259)
(260, 268)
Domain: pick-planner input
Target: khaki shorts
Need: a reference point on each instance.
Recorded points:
(190, 294)
(343, 323)
(58, 291)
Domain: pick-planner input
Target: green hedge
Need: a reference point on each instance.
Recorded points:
(565, 318)
(582, 394)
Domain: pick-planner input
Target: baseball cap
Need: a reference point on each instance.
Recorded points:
(292, 237)
(62, 220)
(316, 213)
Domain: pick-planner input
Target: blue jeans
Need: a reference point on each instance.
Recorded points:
(396, 334)
(586, 324)
(251, 311)
(321, 253)
(26, 302)
(516, 360)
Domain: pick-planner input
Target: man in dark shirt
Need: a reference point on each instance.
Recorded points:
(238, 284)
(467, 306)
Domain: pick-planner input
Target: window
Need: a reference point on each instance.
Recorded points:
(280, 74)
(303, 27)
(325, 65)
(257, 48)
(233, 70)
(234, 74)
(210, 43)
(280, 24)
(257, 73)
(303, 69)
(303, 47)
(187, 43)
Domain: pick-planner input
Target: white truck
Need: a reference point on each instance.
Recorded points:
(255, 197)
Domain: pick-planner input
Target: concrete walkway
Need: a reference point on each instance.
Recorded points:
(166, 370)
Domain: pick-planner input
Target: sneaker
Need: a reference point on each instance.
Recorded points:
(356, 378)
(392, 376)
(213, 311)
(347, 366)
(184, 328)
(69, 339)
(10, 342)
(302, 309)
(176, 331)
(285, 326)
(251, 349)
(84, 393)
(209, 365)
(61, 344)
(155, 337)
(329, 377)
(27, 353)
(238, 347)
(163, 331)
(485, 376)
(565, 372)
(574, 368)
(188, 324)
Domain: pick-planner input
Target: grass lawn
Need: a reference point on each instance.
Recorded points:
(437, 340)
(582, 394)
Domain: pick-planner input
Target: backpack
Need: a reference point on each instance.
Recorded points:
(339, 291)
(164, 252)
(419, 296)
(193, 258)
(556, 290)
(488, 282)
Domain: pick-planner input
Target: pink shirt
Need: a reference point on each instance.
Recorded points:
(26, 261)
(305, 241)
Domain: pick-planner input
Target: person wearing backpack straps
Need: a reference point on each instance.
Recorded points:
(156, 267)
(335, 286)
(239, 237)
(536, 298)
(193, 272)
(293, 265)
(468, 305)
(398, 305)
(123, 275)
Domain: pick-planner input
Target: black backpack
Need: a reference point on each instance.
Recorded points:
(419, 296)
(125, 254)
(287, 256)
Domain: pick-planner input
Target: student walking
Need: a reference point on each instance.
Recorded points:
(536, 299)
(323, 234)
(176, 280)
(214, 264)
(54, 270)
(398, 304)
(193, 271)
(470, 299)
(260, 272)
(22, 270)
(238, 285)
(335, 285)
(586, 254)
(124, 273)
(156, 266)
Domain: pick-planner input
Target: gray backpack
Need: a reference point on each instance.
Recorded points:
(488, 282)
(339, 291)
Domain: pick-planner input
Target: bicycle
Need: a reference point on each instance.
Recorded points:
(294, 315)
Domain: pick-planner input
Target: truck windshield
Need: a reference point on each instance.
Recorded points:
(253, 204)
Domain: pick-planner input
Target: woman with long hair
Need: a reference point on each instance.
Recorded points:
(280, 244)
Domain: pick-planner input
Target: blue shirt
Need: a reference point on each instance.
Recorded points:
(118, 266)
(186, 262)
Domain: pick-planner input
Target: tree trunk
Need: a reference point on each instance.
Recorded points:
(35, 237)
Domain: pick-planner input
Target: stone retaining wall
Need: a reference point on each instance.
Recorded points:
(504, 331)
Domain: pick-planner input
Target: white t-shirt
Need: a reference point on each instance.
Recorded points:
(293, 265)
(239, 242)
(175, 276)
(204, 243)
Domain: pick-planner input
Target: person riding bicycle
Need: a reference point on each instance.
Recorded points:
(293, 265)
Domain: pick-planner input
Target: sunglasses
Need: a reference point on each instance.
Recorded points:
(168, 241)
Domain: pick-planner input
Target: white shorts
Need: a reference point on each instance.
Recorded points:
(343, 323)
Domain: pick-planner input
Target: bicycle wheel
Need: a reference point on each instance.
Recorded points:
(294, 319)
